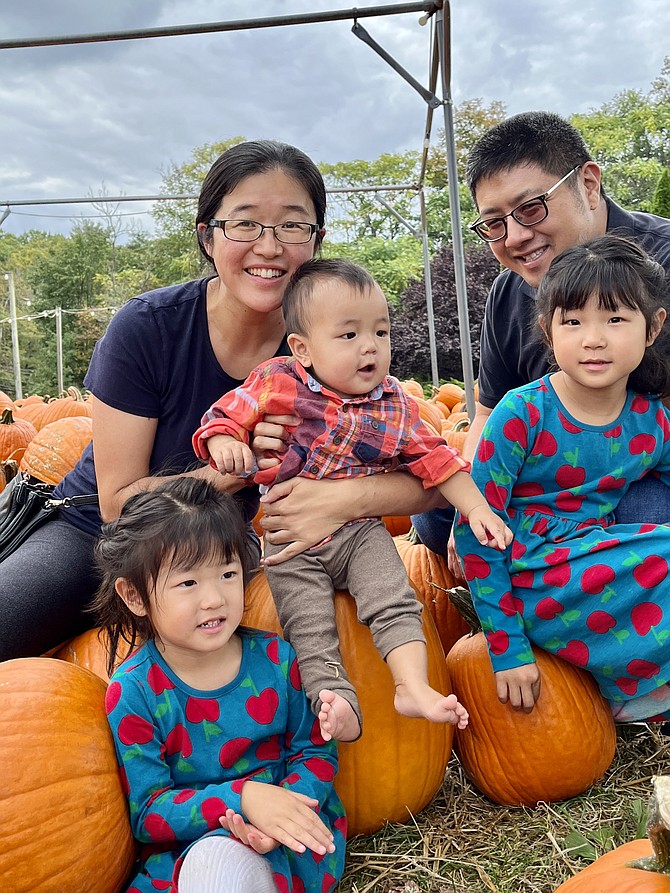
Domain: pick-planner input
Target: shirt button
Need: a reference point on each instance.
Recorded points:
(313, 469)
(337, 440)
(375, 425)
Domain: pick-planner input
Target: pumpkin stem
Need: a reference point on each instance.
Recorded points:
(7, 417)
(461, 599)
(658, 828)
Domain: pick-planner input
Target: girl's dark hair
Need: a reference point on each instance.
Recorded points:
(257, 157)
(182, 523)
(295, 305)
(620, 273)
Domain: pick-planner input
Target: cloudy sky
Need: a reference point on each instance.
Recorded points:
(76, 120)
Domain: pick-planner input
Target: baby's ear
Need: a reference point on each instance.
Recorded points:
(127, 592)
(299, 347)
(542, 325)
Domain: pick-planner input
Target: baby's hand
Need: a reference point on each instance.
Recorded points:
(520, 686)
(230, 455)
(489, 528)
(246, 832)
(286, 816)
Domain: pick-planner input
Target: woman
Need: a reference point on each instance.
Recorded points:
(165, 358)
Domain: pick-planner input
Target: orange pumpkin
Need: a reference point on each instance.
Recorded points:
(63, 814)
(15, 435)
(8, 469)
(56, 448)
(397, 525)
(456, 435)
(611, 873)
(556, 751)
(89, 650)
(412, 387)
(6, 401)
(431, 578)
(449, 394)
(397, 766)
(70, 404)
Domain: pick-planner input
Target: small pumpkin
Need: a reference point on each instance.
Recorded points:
(15, 435)
(67, 405)
(449, 394)
(56, 448)
(456, 434)
(557, 751)
(63, 814)
(397, 766)
(431, 578)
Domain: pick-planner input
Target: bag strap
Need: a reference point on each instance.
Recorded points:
(67, 501)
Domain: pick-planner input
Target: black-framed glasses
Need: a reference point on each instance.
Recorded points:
(291, 232)
(528, 213)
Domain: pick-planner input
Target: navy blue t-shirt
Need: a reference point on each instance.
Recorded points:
(511, 353)
(156, 360)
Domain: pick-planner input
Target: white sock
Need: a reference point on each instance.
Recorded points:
(219, 864)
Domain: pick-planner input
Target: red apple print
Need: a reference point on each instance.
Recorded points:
(663, 423)
(640, 404)
(498, 641)
(557, 555)
(533, 414)
(294, 675)
(315, 735)
(644, 616)
(328, 883)
(123, 775)
(642, 443)
(518, 550)
(341, 824)
(568, 426)
(540, 527)
(545, 445)
(600, 622)
(614, 432)
(569, 502)
(157, 828)
(595, 578)
(627, 686)
(644, 668)
(323, 770)
(232, 751)
(515, 431)
(198, 709)
(269, 750)
(569, 476)
(523, 580)
(157, 679)
(184, 795)
(652, 571)
(485, 450)
(575, 652)
(527, 488)
(548, 608)
(291, 779)
(212, 809)
(557, 576)
(297, 885)
(178, 740)
(135, 729)
(604, 544)
(496, 496)
(511, 606)
(237, 785)
(273, 651)
(476, 567)
(263, 707)
(112, 696)
(161, 885)
(281, 883)
(609, 482)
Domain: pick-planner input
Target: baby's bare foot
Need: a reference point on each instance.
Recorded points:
(420, 700)
(337, 717)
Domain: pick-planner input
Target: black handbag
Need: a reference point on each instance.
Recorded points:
(25, 504)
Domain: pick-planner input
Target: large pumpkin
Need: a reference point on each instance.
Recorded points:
(611, 873)
(63, 814)
(15, 435)
(556, 751)
(397, 766)
(431, 578)
(56, 448)
(67, 405)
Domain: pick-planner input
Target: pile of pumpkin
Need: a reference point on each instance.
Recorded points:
(63, 817)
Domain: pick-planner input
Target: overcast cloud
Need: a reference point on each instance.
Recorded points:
(75, 118)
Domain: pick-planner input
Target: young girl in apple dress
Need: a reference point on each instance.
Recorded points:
(554, 461)
(229, 783)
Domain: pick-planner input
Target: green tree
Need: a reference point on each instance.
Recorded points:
(661, 202)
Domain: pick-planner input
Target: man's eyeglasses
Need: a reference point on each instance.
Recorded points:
(291, 232)
(528, 213)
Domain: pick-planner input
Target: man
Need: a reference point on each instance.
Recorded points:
(538, 192)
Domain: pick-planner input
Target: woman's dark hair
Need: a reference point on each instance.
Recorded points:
(250, 158)
(620, 273)
(295, 305)
(182, 523)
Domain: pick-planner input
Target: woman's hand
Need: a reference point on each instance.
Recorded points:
(269, 438)
(286, 816)
(520, 686)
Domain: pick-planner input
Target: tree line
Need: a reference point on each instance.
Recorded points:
(99, 266)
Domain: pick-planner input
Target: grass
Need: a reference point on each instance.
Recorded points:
(464, 842)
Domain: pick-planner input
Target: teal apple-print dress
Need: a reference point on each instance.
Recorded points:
(185, 754)
(573, 582)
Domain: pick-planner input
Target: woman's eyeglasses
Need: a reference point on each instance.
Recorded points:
(291, 232)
